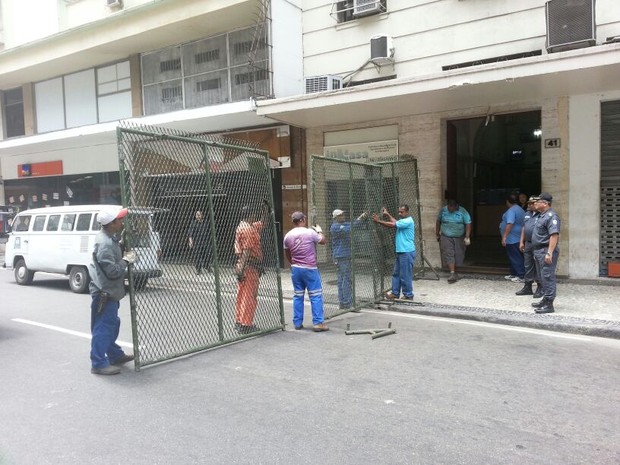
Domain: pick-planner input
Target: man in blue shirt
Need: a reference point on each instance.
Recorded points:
(340, 231)
(453, 230)
(510, 229)
(402, 276)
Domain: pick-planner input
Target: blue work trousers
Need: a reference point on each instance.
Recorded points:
(402, 276)
(344, 282)
(104, 327)
(515, 257)
(310, 279)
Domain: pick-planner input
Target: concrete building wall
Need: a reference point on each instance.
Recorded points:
(429, 34)
(287, 56)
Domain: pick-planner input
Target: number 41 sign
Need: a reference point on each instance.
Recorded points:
(552, 143)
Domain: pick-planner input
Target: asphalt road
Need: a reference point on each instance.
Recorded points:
(439, 391)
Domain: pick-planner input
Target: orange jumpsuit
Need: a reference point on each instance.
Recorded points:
(247, 237)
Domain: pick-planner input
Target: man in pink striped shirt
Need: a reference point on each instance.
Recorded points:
(300, 250)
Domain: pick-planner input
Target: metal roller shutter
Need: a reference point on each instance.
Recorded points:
(610, 185)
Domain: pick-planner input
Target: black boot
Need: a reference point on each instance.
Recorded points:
(527, 289)
(547, 307)
(539, 292)
(538, 304)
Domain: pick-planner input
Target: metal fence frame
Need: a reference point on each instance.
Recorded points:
(183, 312)
(388, 184)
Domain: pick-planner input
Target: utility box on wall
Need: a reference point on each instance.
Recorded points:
(570, 24)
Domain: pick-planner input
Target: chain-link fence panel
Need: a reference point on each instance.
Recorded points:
(356, 266)
(401, 187)
(344, 194)
(202, 224)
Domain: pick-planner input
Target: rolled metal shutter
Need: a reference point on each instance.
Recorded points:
(610, 185)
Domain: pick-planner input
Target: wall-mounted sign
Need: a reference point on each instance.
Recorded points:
(366, 152)
(48, 168)
(553, 143)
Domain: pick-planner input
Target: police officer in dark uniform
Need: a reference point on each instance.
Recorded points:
(545, 238)
(531, 215)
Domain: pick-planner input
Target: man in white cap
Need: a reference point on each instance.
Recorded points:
(341, 253)
(107, 288)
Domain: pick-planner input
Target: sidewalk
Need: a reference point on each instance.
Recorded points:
(589, 307)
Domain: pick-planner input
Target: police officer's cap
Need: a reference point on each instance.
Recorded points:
(546, 197)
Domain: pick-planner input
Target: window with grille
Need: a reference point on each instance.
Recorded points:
(225, 68)
(349, 10)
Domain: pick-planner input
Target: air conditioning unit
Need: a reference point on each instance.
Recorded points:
(322, 83)
(366, 7)
(114, 3)
(570, 24)
(381, 49)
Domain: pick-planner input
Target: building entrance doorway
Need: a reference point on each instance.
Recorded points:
(489, 158)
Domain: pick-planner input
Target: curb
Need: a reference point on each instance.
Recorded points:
(549, 322)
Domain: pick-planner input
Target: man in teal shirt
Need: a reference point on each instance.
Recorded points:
(402, 276)
(453, 230)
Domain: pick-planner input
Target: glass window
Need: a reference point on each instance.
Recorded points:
(39, 223)
(83, 223)
(22, 223)
(53, 222)
(95, 226)
(67, 222)
(206, 72)
(14, 112)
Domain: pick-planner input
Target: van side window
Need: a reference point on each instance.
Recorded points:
(22, 223)
(53, 222)
(83, 222)
(39, 223)
(96, 226)
(67, 222)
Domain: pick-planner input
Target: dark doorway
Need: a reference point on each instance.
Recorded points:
(487, 159)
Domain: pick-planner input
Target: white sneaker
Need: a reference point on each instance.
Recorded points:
(516, 279)
(509, 277)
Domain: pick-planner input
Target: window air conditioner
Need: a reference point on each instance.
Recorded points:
(114, 3)
(570, 24)
(322, 83)
(366, 7)
(381, 49)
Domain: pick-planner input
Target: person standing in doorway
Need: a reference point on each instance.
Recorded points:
(545, 239)
(402, 275)
(523, 201)
(510, 229)
(525, 245)
(107, 288)
(199, 241)
(453, 231)
(341, 231)
(300, 250)
(248, 267)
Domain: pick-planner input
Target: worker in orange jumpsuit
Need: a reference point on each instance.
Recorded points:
(248, 268)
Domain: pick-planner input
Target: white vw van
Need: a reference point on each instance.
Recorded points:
(61, 240)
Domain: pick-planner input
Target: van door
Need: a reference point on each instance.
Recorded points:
(21, 236)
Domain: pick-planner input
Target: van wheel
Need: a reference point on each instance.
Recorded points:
(79, 279)
(23, 275)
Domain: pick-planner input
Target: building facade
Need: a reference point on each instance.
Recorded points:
(73, 70)
(490, 97)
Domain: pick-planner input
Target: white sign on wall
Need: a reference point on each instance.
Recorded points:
(366, 152)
